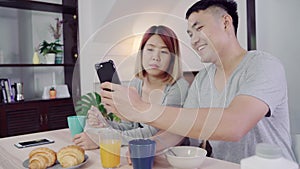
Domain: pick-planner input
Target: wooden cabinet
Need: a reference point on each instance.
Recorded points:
(21, 118)
(57, 113)
(34, 116)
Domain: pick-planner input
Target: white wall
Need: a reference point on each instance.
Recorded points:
(110, 29)
(278, 26)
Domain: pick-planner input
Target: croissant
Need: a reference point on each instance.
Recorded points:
(71, 155)
(41, 158)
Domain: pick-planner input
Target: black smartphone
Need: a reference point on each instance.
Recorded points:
(107, 72)
(31, 143)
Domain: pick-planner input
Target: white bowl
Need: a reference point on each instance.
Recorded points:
(187, 157)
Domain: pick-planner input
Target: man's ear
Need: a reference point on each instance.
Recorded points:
(227, 21)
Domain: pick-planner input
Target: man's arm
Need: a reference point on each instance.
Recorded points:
(235, 121)
(229, 124)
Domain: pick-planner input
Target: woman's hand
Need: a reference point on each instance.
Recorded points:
(84, 141)
(95, 118)
(125, 102)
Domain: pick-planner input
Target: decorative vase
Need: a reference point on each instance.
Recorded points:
(59, 55)
(35, 58)
(50, 58)
(58, 58)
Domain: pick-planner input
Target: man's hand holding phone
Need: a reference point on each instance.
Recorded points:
(126, 103)
(107, 73)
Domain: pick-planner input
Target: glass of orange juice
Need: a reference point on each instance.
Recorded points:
(110, 148)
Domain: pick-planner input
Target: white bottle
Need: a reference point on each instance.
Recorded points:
(267, 157)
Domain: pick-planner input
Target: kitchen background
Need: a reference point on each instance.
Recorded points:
(111, 30)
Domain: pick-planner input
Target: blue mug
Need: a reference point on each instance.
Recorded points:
(142, 152)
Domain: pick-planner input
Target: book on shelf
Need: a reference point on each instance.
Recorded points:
(6, 91)
(3, 92)
(2, 98)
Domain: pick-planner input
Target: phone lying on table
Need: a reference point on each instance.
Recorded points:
(107, 72)
(31, 143)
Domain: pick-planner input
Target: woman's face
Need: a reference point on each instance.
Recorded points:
(156, 56)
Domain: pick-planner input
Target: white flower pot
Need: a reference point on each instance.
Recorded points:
(50, 58)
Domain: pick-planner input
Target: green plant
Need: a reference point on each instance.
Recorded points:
(93, 99)
(52, 47)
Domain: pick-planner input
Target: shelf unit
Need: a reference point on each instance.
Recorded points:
(65, 8)
(35, 114)
(36, 65)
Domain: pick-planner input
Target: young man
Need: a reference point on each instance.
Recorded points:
(236, 102)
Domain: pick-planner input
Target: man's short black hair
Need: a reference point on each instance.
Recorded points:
(229, 6)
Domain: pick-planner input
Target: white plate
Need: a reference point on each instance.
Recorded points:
(58, 166)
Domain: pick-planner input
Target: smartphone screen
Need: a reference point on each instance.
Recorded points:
(33, 143)
(107, 72)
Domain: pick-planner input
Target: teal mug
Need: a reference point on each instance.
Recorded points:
(76, 124)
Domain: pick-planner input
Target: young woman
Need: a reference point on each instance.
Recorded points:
(158, 81)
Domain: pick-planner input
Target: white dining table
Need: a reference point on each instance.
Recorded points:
(13, 158)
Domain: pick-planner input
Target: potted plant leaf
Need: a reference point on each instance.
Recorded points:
(50, 50)
(93, 99)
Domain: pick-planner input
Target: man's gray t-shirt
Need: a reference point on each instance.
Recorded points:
(259, 75)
